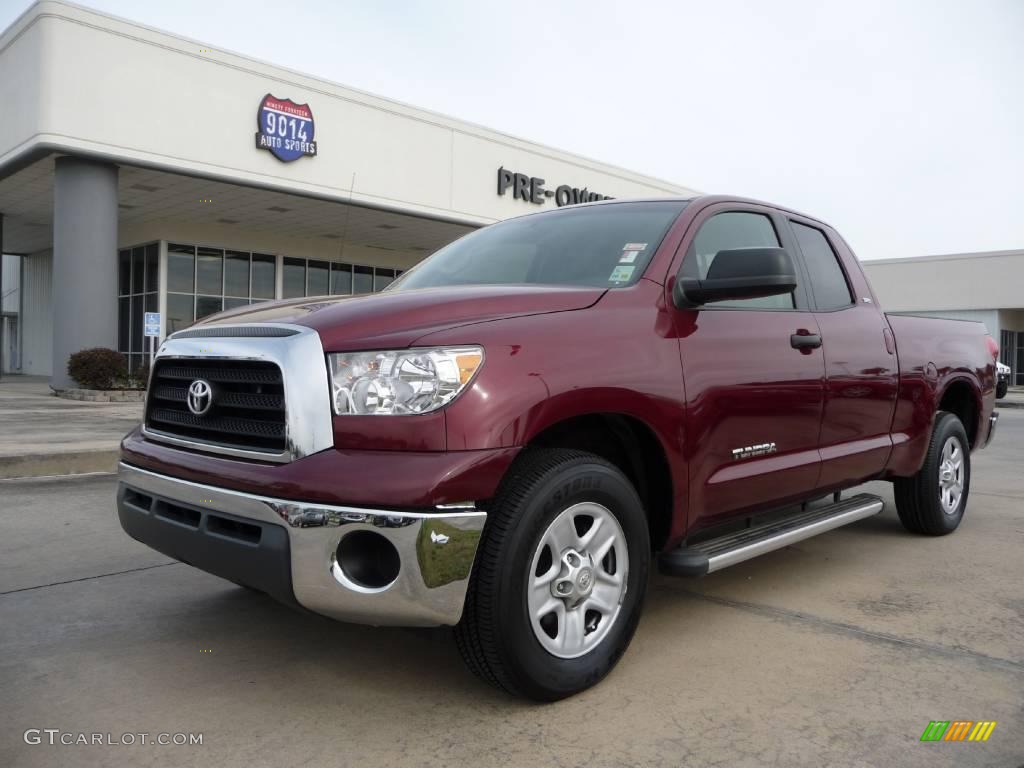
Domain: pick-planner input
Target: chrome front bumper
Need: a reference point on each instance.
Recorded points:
(435, 550)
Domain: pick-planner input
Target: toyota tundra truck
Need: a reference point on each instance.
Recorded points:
(510, 435)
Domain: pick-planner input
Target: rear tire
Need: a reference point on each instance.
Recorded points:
(553, 601)
(933, 501)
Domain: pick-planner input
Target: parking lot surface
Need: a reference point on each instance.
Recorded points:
(47, 435)
(837, 651)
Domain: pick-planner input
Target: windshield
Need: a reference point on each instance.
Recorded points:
(601, 246)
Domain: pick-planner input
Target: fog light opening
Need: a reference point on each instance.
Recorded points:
(367, 561)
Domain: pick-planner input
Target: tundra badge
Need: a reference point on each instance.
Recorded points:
(753, 450)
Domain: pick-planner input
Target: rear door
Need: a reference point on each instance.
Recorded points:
(754, 400)
(859, 356)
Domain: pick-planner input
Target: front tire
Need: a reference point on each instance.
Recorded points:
(560, 576)
(933, 501)
(1001, 388)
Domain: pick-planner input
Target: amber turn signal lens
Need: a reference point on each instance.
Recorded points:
(468, 365)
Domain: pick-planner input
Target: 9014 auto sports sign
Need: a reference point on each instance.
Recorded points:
(286, 129)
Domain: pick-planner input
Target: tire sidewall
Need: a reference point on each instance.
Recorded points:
(581, 481)
(948, 426)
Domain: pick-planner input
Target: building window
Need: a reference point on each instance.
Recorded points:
(264, 276)
(1008, 351)
(1017, 367)
(209, 281)
(181, 287)
(341, 279)
(210, 271)
(138, 280)
(317, 282)
(362, 279)
(310, 277)
(237, 274)
(181, 268)
(293, 283)
(202, 280)
(382, 278)
(181, 311)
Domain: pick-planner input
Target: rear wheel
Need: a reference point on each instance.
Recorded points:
(559, 579)
(933, 501)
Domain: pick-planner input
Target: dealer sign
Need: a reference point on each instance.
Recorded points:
(286, 129)
(532, 190)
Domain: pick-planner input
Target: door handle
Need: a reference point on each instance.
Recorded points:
(805, 341)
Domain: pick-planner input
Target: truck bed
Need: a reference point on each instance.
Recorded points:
(936, 354)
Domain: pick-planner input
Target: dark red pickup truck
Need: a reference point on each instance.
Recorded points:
(503, 439)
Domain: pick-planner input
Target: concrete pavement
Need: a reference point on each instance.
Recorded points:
(837, 651)
(47, 435)
(1014, 398)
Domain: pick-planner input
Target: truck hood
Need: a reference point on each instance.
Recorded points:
(396, 319)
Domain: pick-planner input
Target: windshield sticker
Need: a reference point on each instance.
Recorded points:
(634, 246)
(621, 274)
(628, 257)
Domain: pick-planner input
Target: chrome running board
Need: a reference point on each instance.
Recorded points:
(715, 554)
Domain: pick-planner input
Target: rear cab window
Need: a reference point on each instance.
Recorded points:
(828, 280)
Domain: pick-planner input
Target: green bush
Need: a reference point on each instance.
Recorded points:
(98, 368)
(140, 378)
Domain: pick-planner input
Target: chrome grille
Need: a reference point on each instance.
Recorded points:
(247, 412)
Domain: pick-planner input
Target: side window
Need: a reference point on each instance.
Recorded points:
(725, 231)
(828, 283)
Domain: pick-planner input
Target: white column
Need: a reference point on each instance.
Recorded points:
(84, 260)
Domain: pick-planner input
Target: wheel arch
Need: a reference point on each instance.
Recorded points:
(961, 397)
(634, 447)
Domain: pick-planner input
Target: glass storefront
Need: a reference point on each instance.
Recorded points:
(310, 277)
(138, 284)
(202, 280)
(1011, 353)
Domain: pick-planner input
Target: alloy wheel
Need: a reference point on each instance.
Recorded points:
(577, 580)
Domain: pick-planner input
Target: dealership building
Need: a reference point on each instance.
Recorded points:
(144, 172)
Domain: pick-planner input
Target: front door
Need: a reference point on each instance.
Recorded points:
(754, 390)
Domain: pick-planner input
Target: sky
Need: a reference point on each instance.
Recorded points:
(900, 122)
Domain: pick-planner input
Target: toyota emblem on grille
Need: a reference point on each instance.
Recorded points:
(200, 397)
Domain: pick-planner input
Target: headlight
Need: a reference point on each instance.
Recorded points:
(406, 381)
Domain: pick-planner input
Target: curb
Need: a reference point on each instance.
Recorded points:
(67, 463)
(102, 395)
(1011, 404)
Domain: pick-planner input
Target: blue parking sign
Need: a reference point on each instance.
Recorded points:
(152, 324)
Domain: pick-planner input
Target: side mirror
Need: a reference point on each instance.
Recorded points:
(739, 273)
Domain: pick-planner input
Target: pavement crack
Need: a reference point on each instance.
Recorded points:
(90, 578)
(852, 629)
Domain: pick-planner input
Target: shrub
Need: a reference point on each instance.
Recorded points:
(140, 378)
(98, 368)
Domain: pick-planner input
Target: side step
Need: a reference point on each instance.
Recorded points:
(715, 554)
